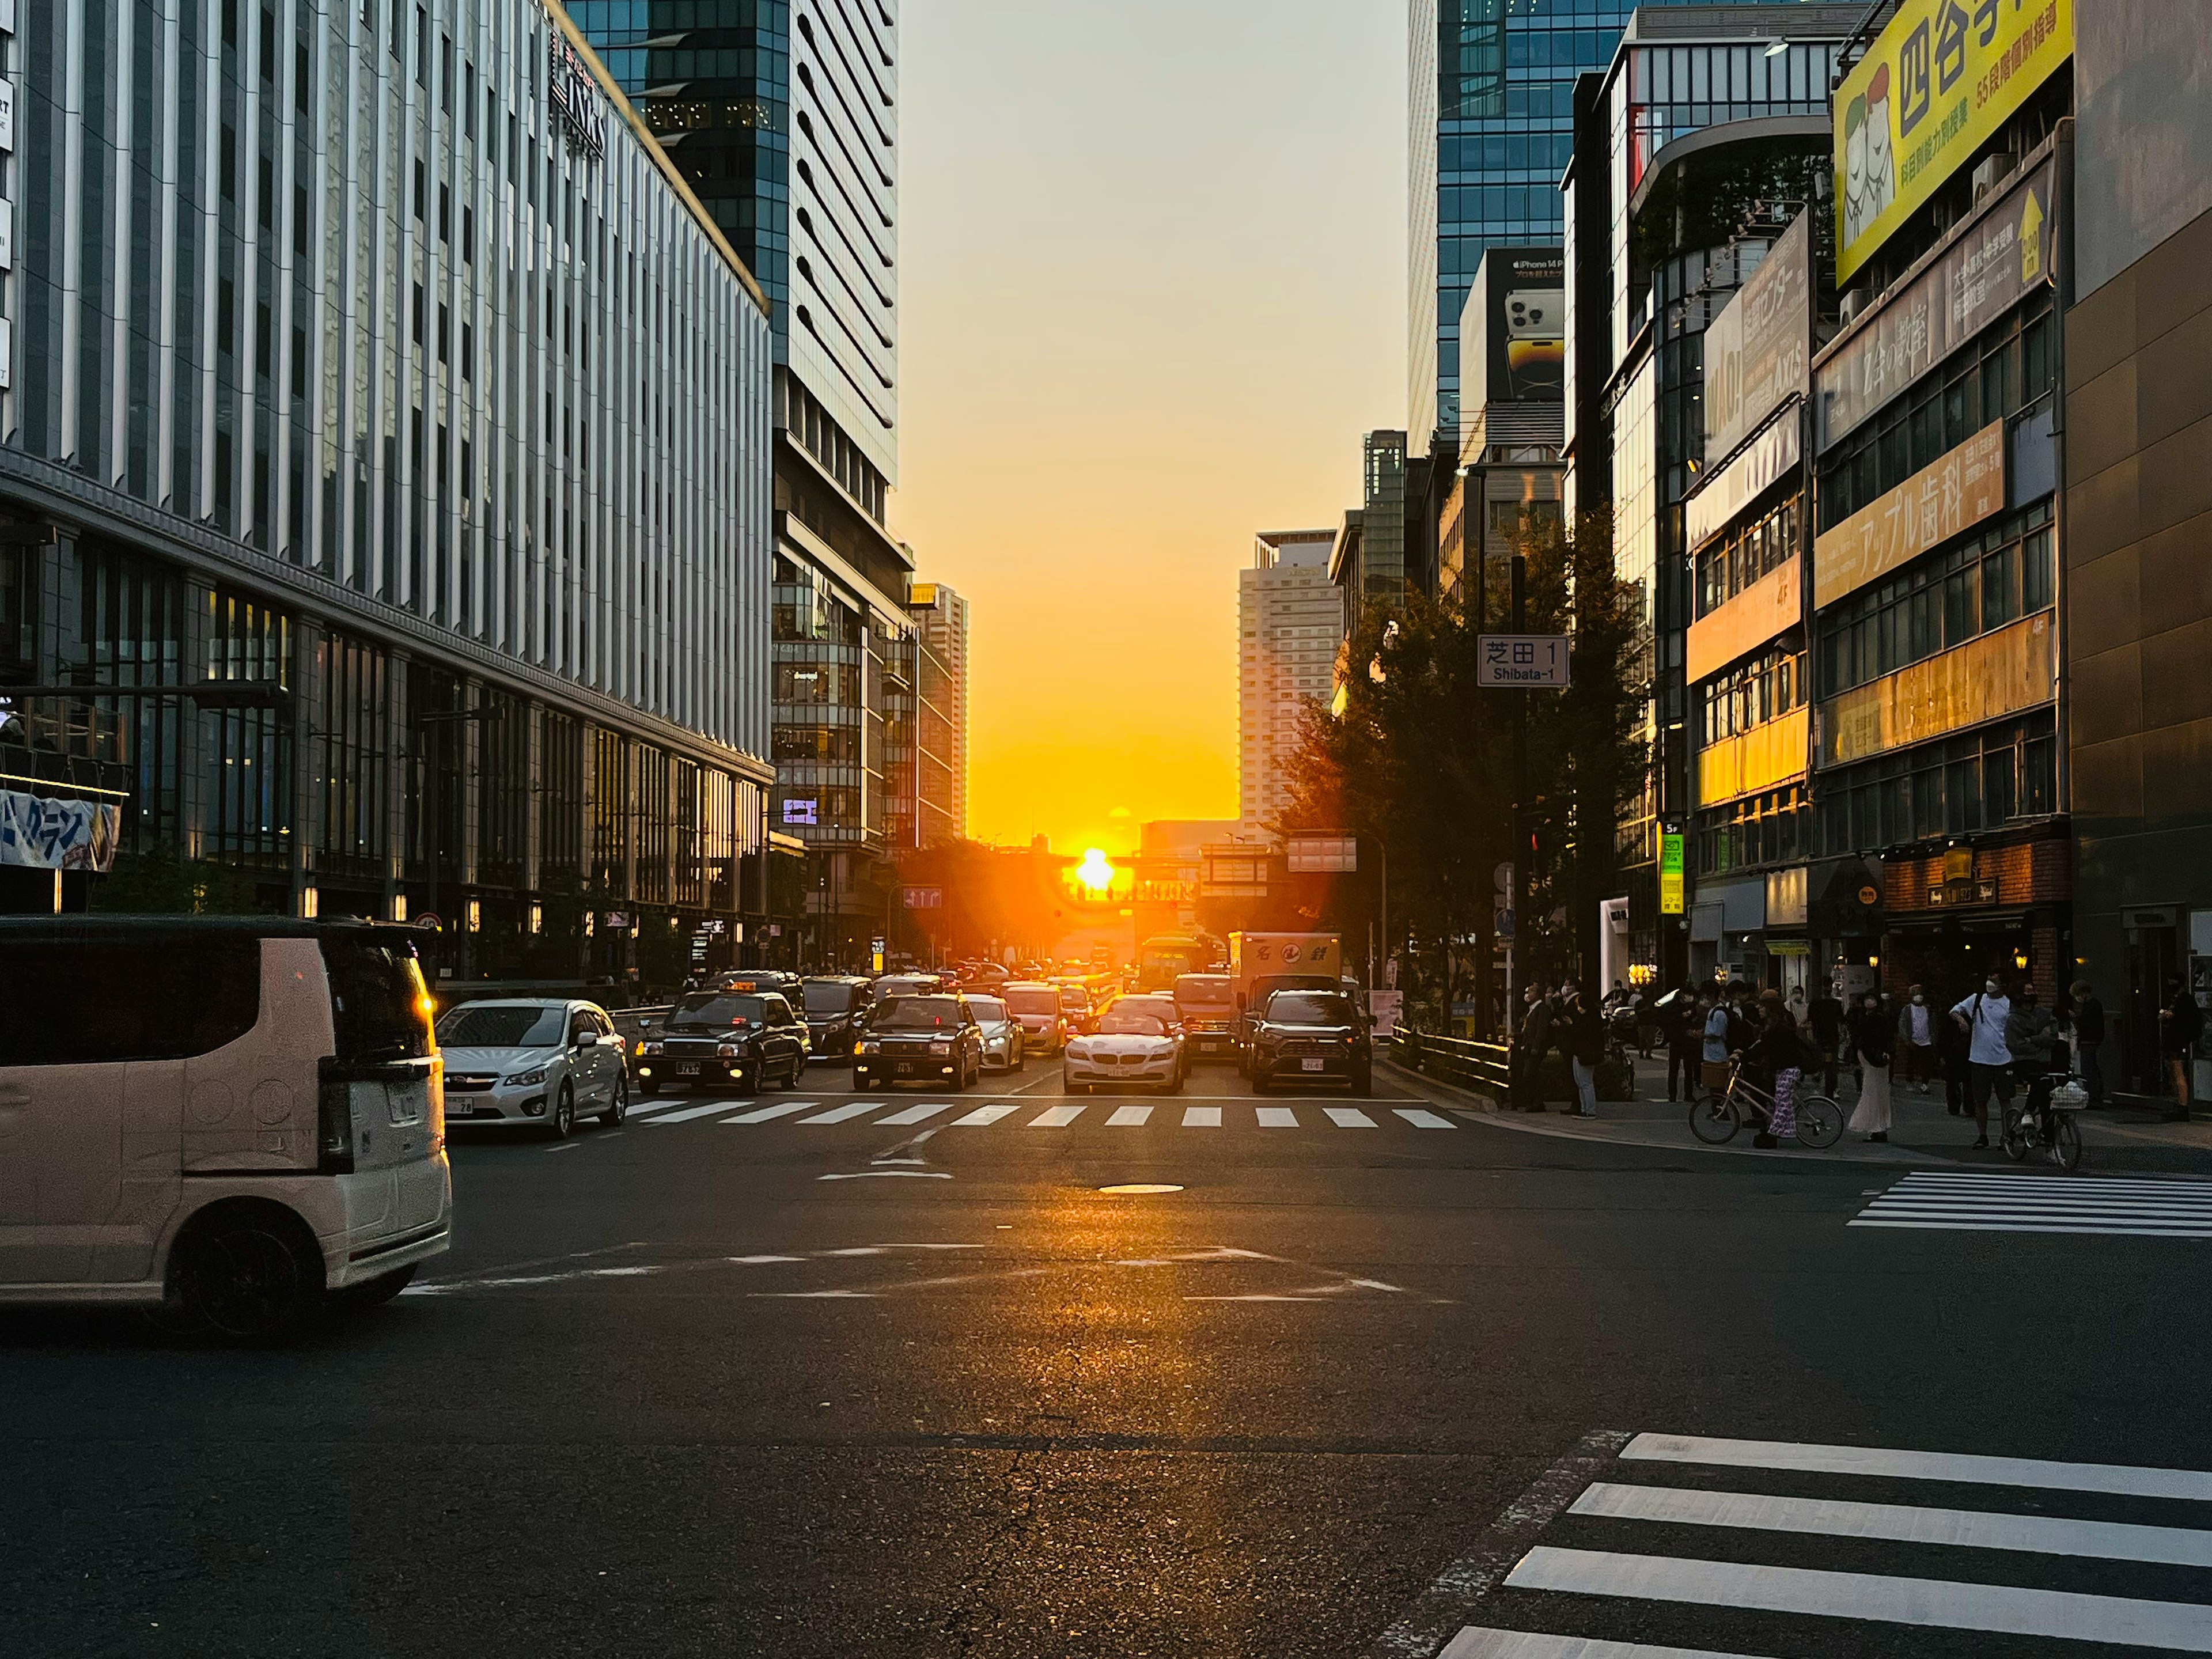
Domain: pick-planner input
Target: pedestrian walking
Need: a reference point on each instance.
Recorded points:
(2089, 1040)
(1714, 1048)
(1582, 1041)
(1916, 1039)
(2179, 1025)
(1686, 1032)
(1525, 1061)
(1873, 1034)
(1826, 1018)
(1982, 1018)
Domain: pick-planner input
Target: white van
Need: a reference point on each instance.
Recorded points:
(240, 1118)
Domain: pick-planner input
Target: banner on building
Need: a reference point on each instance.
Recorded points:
(1670, 872)
(1982, 275)
(1517, 312)
(57, 835)
(1943, 500)
(1942, 76)
(1759, 350)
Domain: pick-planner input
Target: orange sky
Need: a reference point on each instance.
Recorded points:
(1152, 291)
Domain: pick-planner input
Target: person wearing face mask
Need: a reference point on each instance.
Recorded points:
(2032, 1034)
(1916, 1040)
(1873, 1032)
(1526, 1058)
(1982, 1018)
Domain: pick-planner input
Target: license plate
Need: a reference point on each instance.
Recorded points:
(687, 1068)
(904, 1069)
(1208, 1045)
(1309, 1066)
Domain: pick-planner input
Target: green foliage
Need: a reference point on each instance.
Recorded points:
(1422, 759)
(157, 882)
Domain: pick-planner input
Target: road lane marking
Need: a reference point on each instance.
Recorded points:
(1816, 1592)
(647, 1108)
(1424, 1119)
(1901, 1523)
(891, 1174)
(691, 1112)
(844, 1113)
(758, 1115)
(984, 1116)
(1278, 1117)
(921, 1114)
(1350, 1117)
(2118, 1479)
(1201, 1117)
(1128, 1117)
(1056, 1117)
(1477, 1643)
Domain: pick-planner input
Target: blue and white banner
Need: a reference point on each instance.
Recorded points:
(57, 835)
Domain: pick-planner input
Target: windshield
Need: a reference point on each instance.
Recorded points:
(1074, 996)
(1033, 1002)
(1159, 1008)
(828, 997)
(710, 1009)
(490, 1025)
(988, 1008)
(1120, 1023)
(1308, 1008)
(916, 1014)
(1192, 991)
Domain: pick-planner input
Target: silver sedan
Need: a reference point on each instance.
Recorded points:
(1005, 1043)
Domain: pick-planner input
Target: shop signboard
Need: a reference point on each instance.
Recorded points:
(1944, 499)
(1670, 873)
(575, 97)
(2004, 254)
(1521, 318)
(1763, 463)
(1759, 349)
(1941, 77)
(39, 833)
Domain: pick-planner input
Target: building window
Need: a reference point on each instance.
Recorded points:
(1978, 781)
(1731, 563)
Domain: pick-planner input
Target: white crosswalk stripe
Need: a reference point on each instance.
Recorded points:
(1035, 1113)
(1968, 1201)
(1640, 1545)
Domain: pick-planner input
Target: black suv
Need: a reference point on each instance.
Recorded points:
(836, 1006)
(725, 1039)
(931, 1038)
(1311, 1037)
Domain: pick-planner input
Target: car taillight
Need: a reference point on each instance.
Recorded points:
(334, 1128)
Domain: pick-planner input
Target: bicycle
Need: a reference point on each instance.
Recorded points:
(2052, 1128)
(1715, 1119)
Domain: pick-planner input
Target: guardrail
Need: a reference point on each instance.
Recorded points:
(1481, 1067)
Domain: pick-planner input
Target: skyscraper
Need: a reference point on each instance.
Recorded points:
(782, 116)
(1289, 621)
(940, 617)
(1489, 104)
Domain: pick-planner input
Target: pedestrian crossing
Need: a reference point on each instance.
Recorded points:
(1967, 1201)
(1034, 1114)
(1679, 1550)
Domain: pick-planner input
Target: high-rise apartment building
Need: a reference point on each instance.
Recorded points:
(783, 115)
(384, 446)
(1491, 97)
(940, 617)
(1289, 621)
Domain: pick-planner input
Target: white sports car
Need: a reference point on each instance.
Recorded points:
(1128, 1050)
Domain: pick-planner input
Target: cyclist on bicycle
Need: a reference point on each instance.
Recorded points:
(2031, 1033)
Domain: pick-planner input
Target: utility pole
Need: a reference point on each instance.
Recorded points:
(433, 825)
(1521, 860)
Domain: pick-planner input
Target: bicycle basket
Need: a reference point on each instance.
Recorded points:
(2069, 1097)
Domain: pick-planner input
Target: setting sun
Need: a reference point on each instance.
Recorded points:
(1095, 873)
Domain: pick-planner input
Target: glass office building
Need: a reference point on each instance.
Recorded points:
(1491, 96)
(387, 435)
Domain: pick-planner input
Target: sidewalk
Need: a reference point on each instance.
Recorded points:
(1922, 1132)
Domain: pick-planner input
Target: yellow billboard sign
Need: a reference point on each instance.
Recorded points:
(1941, 77)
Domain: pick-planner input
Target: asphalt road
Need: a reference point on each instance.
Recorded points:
(782, 1387)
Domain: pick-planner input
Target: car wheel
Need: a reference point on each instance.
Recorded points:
(1262, 1084)
(1174, 1084)
(373, 1292)
(249, 1273)
(1363, 1081)
(647, 1089)
(618, 1107)
(562, 1122)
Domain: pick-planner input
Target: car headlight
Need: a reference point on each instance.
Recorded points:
(868, 1046)
(649, 1048)
(940, 1048)
(535, 1075)
(730, 1051)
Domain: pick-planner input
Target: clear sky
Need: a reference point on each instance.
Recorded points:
(1152, 275)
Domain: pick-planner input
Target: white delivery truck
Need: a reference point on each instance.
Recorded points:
(1261, 965)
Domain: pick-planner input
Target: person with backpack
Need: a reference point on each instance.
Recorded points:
(1981, 1017)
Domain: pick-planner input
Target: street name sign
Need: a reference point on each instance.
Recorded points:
(1522, 659)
